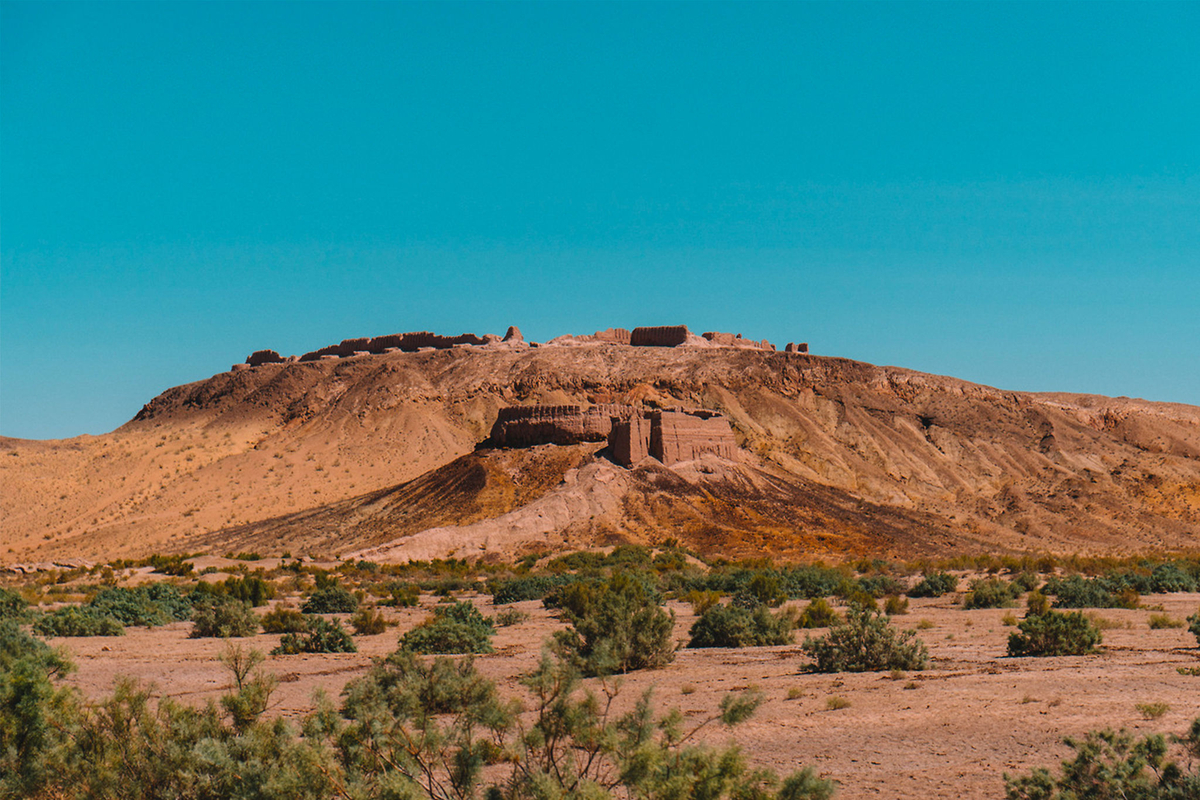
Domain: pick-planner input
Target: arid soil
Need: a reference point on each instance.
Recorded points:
(378, 453)
(947, 732)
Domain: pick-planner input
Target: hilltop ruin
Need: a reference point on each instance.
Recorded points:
(662, 336)
(632, 433)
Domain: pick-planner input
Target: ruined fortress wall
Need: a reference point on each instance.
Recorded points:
(263, 357)
(408, 342)
(736, 340)
(613, 336)
(793, 347)
(630, 440)
(525, 426)
(677, 436)
(666, 336)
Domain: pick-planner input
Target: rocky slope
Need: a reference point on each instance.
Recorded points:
(377, 454)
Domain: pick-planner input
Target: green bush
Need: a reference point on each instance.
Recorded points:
(368, 622)
(733, 626)
(76, 621)
(251, 589)
(222, 618)
(895, 605)
(1078, 592)
(1114, 765)
(1194, 626)
(13, 606)
(1054, 633)
(319, 636)
(331, 599)
(866, 642)
(454, 628)
(934, 585)
(170, 565)
(763, 590)
(529, 587)
(509, 616)
(991, 593)
(818, 614)
(617, 626)
(147, 606)
(284, 619)
(403, 595)
(1026, 582)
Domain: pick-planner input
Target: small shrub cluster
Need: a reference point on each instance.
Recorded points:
(1054, 633)
(222, 618)
(368, 621)
(507, 617)
(1076, 591)
(866, 642)
(402, 594)
(991, 593)
(734, 626)
(76, 621)
(284, 619)
(147, 606)
(330, 599)
(320, 635)
(617, 626)
(1194, 626)
(818, 614)
(454, 628)
(13, 606)
(526, 587)
(934, 584)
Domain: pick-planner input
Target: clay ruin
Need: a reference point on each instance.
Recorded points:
(423, 341)
(632, 433)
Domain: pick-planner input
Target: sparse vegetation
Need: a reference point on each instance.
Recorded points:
(818, 614)
(76, 621)
(617, 625)
(283, 619)
(1054, 633)
(1152, 711)
(866, 642)
(734, 626)
(320, 635)
(992, 593)
(1162, 621)
(222, 618)
(368, 621)
(453, 628)
(330, 599)
(934, 585)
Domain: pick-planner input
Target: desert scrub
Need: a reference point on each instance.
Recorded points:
(1161, 621)
(1115, 765)
(1152, 711)
(1054, 633)
(733, 626)
(992, 593)
(222, 618)
(368, 621)
(818, 614)
(934, 585)
(702, 600)
(76, 621)
(507, 617)
(320, 635)
(13, 606)
(284, 619)
(402, 594)
(148, 606)
(454, 628)
(617, 626)
(866, 642)
(895, 605)
(330, 599)
(1194, 626)
(1079, 592)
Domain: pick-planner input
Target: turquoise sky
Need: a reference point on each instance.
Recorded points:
(1003, 192)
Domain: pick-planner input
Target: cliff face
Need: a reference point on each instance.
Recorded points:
(835, 456)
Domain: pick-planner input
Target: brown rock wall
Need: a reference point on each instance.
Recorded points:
(263, 357)
(663, 336)
(677, 436)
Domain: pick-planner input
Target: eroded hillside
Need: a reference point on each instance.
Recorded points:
(378, 451)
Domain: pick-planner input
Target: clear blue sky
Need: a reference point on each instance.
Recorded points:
(1004, 192)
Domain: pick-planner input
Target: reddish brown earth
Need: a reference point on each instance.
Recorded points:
(377, 453)
(947, 732)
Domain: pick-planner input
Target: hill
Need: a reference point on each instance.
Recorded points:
(379, 454)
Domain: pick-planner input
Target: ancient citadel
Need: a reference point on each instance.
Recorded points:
(663, 336)
(631, 433)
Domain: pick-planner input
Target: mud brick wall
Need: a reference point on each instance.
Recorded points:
(263, 357)
(677, 436)
(613, 336)
(793, 347)
(666, 336)
(630, 440)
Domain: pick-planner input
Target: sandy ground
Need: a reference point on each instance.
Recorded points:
(948, 732)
